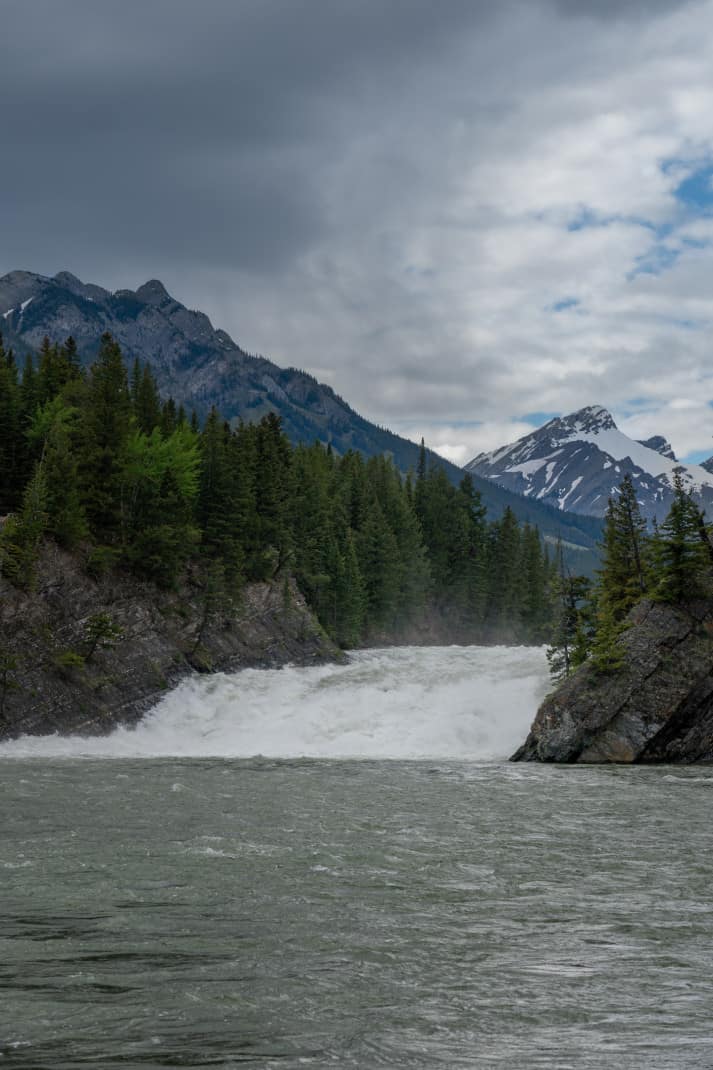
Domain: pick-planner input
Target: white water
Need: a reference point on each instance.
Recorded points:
(403, 702)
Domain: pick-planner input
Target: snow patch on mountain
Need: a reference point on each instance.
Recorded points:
(621, 447)
(569, 462)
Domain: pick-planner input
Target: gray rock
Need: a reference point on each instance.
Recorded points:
(55, 687)
(657, 708)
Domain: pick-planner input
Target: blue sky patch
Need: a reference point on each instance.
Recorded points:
(538, 418)
(564, 303)
(696, 190)
(657, 259)
(696, 456)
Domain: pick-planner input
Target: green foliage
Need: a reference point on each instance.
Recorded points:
(101, 560)
(9, 664)
(68, 662)
(105, 428)
(11, 418)
(672, 564)
(21, 534)
(100, 633)
(607, 653)
(680, 552)
(568, 647)
(141, 487)
(623, 578)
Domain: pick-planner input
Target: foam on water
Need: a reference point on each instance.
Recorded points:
(403, 702)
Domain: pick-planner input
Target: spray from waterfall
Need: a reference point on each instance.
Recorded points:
(406, 702)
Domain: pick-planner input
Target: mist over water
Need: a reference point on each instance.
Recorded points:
(472, 703)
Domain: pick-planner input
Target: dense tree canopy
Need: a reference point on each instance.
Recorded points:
(672, 563)
(98, 462)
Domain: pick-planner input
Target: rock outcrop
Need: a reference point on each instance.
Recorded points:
(52, 680)
(657, 708)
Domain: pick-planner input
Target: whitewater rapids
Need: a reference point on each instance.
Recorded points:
(474, 703)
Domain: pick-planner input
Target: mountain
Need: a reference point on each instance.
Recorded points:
(576, 463)
(201, 366)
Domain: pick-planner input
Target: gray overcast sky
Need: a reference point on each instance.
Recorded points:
(463, 215)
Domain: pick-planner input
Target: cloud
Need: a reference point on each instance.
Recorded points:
(455, 214)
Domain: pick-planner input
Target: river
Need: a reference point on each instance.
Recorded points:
(337, 867)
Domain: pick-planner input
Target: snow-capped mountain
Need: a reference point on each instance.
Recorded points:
(201, 366)
(577, 462)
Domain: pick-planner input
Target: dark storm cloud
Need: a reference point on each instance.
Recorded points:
(186, 129)
(195, 132)
(618, 9)
(379, 191)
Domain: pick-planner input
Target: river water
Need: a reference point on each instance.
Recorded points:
(336, 867)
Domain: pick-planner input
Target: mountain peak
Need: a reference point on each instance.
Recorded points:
(661, 445)
(66, 278)
(590, 418)
(153, 292)
(576, 462)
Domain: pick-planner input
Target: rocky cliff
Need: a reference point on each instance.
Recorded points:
(57, 676)
(657, 708)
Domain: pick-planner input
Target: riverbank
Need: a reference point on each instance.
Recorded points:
(83, 655)
(656, 707)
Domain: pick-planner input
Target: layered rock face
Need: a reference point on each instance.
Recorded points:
(657, 708)
(51, 680)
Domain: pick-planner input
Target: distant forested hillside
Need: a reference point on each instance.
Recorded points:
(97, 461)
(204, 368)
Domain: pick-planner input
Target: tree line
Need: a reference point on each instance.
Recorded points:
(671, 563)
(97, 461)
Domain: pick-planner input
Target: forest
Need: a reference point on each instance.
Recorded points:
(96, 460)
(671, 563)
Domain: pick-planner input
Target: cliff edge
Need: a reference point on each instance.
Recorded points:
(657, 708)
(83, 655)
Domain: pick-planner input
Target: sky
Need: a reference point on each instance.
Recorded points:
(466, 217)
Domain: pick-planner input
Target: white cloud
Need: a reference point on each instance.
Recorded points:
(443, 189)
(433, 299)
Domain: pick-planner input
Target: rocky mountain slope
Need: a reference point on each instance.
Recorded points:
(576, 463)
(201, 366)
(52, 679)
(657, 708)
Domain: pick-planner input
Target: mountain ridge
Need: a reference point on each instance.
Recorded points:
(577, 462)
(201, 366)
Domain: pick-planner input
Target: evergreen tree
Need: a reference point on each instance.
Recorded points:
(21, 534)
(66, 519)
(145, 399)
(569, 595)
(505, 574)
(680, 554)
(11, 473)
(105, 426)
(625, 553)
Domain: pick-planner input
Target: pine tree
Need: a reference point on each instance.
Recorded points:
(223, 536)
(569, 595)
(66, 519)
(11, 472)
(625, 553)
(105, 426)
(22, 533)
(505, 574)
(145, 399)
(681, 555)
